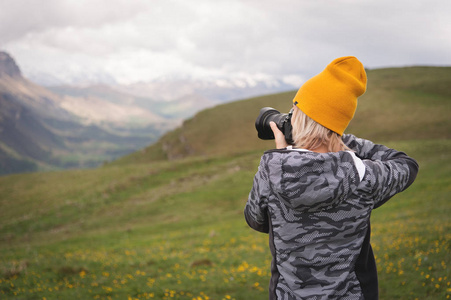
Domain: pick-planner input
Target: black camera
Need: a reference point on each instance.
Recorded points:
(283, 122)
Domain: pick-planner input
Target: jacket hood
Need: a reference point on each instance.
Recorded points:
(310, 181)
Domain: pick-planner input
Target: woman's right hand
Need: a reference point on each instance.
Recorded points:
(279, 137)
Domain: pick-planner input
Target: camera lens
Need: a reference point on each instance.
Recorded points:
(268, 114)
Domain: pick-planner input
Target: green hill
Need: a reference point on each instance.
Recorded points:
(400, 104)
(167, 222)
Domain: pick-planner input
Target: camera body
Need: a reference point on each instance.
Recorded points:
(282, 120)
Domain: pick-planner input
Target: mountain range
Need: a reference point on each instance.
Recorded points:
(173, 98)
(41, 130)
(66, 126)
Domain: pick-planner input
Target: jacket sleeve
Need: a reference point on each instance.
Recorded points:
(256, 210)
(387, 171)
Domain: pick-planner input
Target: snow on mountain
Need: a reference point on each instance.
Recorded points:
(216, 90)
(99, 98)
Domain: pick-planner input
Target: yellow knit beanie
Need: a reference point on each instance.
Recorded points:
(330, 98)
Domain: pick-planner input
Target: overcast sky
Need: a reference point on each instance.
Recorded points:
(129, 41)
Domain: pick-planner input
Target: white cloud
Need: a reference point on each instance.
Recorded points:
(141, 40)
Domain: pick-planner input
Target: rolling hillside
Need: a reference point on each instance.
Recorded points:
(400, 104)
(167, 222)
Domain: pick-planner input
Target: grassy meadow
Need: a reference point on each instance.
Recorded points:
(167, 222)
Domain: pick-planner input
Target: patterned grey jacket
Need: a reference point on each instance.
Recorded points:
(316, 208)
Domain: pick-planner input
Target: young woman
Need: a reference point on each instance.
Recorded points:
(315, 198)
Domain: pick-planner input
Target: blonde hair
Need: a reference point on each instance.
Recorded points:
(308, 134)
